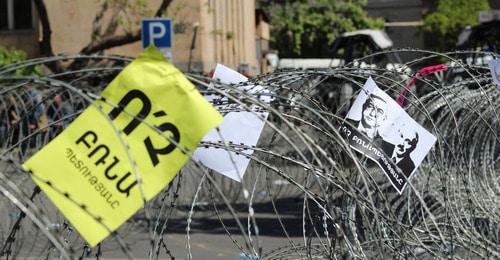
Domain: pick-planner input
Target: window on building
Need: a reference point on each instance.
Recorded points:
(4, 20)
(16, 15)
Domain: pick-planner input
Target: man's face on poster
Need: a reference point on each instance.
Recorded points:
(408, 143)
(374, 112)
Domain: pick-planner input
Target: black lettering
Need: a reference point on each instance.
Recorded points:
(131, 95)
(86, 172)
(126, 190)
(93, 180)
(84, 136)
(78, 165)
(106, 173)
(106, 195)
(153, 152)
(103, 158)
(115, 204)
(98, 187)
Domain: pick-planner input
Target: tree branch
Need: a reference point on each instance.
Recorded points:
(97, 24)
(45, 44)
(110, 42)
(119, 40)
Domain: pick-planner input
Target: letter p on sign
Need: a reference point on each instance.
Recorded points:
(157, 32)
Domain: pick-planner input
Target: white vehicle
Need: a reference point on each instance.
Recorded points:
(335, 93)
(348, 47)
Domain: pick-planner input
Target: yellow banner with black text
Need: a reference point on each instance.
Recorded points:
(124, 148)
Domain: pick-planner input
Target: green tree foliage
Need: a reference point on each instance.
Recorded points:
(307, 28)
(12, 56)
(451, 17)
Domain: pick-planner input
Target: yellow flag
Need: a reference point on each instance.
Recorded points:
(102, 168)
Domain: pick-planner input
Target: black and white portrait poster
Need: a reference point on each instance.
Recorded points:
(379, 128)
(495, 70)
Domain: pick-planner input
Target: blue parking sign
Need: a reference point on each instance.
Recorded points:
(158, 32)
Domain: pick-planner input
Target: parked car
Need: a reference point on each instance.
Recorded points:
(348, 47)
(337, 93)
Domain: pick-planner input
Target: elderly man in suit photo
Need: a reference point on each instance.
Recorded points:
(379, 128)
(401, 156)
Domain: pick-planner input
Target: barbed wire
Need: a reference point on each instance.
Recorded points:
(304, 185)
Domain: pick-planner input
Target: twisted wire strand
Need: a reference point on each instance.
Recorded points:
(304, 182)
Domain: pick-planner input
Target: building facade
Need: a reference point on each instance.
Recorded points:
(18, 20)
(404, 18)
(225, 29)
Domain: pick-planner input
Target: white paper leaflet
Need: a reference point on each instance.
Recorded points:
(240, 127)
(495, 70)
(379, 128)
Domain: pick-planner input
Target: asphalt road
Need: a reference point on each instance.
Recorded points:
(209, 238)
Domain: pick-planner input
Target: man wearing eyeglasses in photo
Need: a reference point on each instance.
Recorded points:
(373, 115)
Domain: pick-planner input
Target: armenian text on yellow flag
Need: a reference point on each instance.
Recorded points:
(112, 158)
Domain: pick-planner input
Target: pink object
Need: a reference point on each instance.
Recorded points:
(420, 74)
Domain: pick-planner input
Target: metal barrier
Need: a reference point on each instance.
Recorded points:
(321, 198)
